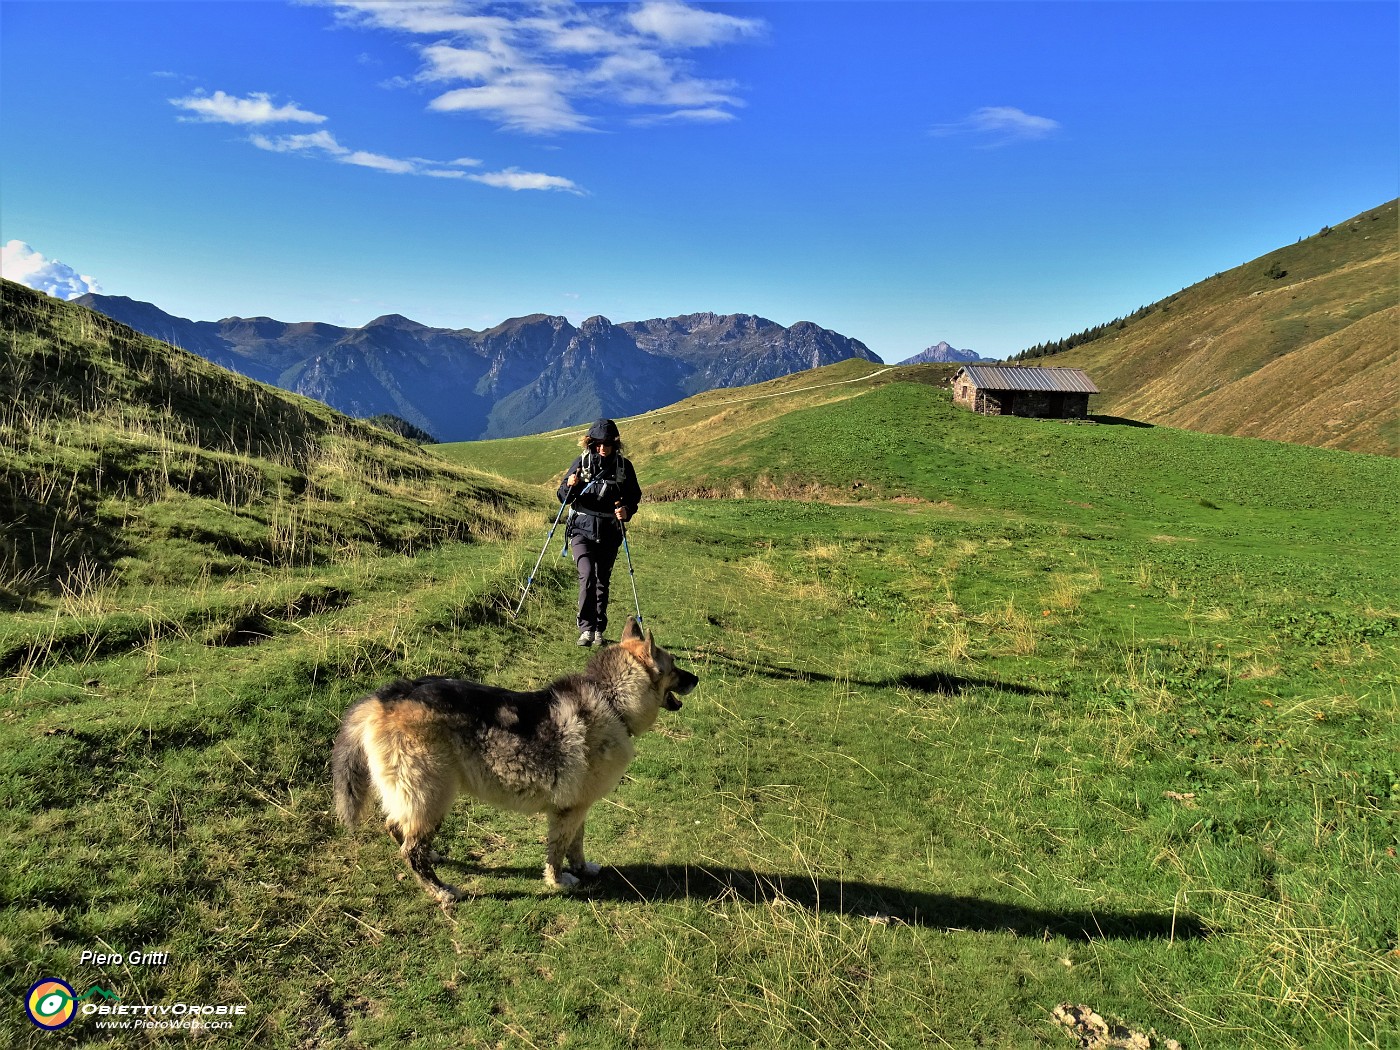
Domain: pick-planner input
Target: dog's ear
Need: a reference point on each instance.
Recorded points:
(651, 647)
(636, 644)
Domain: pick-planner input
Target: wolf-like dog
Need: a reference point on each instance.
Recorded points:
(557, 750)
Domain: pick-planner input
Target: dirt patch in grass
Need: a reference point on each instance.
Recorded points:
(1092, 1032)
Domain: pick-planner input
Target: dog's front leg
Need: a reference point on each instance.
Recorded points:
(435, 854)
(417, 852)
(565, 838)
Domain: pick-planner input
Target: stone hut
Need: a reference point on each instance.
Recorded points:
(1003, 390)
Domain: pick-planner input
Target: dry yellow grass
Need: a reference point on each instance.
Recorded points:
(1312, 357)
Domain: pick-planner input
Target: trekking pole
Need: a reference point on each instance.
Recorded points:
(531, 579)
(630, 573)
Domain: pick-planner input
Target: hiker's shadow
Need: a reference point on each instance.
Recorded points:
(882, 905)
(934, 682)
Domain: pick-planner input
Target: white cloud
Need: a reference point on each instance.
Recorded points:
(22, 264)
(685, 26)
(647, 79)
(999, 125)
(549, 66)
(446, 62)
(257, 108)
(325, 143)
(579, 39)
(515, 179)
(538, 67)
(316, 141)
(365, 159)
(450, 170)
(707, 115)
(1010, 119)
(431, 17)
(533, 101)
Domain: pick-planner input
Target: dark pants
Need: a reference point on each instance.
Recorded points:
(595, 561)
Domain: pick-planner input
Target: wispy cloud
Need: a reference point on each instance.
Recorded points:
(704, 115)
(544, 67)
(324, 144)
(257, 108)
(680, 25)
(529, 101)
(515, 179)
(22, 264)
(539, 67)
(999, 126)
(315, 142)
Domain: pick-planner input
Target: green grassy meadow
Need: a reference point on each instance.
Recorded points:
(994, 715)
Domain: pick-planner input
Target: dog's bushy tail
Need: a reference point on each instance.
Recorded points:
(350, 768)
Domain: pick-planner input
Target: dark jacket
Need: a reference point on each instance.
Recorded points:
(604, 482)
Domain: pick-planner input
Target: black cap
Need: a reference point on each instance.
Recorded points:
(603, 430)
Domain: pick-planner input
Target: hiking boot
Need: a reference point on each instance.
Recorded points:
(586, 638)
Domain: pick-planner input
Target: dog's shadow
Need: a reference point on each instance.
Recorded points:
(882, 905)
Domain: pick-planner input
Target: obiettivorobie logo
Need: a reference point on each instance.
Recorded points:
(52, 1004)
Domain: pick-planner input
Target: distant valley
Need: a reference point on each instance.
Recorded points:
(526, 375)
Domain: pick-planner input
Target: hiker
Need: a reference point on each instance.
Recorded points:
(602, 486)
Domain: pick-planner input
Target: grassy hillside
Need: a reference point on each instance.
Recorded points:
(693, 436)
(148, 494)
(1301, 345)
(113, 445)
(994, 715)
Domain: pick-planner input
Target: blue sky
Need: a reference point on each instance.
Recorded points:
(993, 174)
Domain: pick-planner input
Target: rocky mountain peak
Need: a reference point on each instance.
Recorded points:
(941, 353)
(396, 321)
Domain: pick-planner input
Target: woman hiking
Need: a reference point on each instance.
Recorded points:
(603, 488)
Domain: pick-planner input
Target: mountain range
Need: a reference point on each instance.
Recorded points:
(524, 376)
(942, 354)
(1299, 345)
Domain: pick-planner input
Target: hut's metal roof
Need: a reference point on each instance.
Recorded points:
(1007, 377)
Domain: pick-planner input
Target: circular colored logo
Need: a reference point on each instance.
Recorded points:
(51, 1003)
